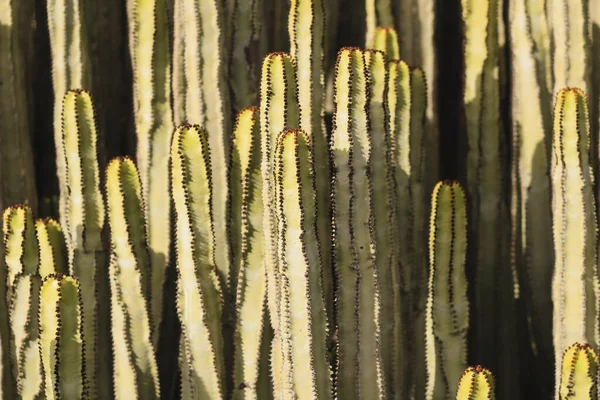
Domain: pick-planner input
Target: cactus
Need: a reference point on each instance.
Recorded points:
(386, 40)
(304, 324)
(378, 13)
(359, 370)
(579, 378)
(476, 383)
(135, 369)
(447, 320)
(61, 338)
(149, 50)
(84, 227)
(199, 299)
(52, 247)
(575, 283)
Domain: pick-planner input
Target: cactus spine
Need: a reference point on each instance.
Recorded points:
(299, 257)
(61, 341)
(447, 320)
(134, 359)
(476, 383)
(579, 373)
(359, 371)
(575, 283)
(150, 59)
(199, 299)
(52, 247)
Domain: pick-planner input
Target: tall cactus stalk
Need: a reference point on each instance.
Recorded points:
(151, 63)
(299, 254)
(199, 298)
(134, 358)
(386, 40)
(476, 383)
(53, 248)
(61, 338)
(575, 283)
(378, 13)
(579, 375)
(360, 369)
(447, 320)
(85, 225)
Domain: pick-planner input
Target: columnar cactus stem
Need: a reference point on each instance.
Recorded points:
(386, 40)
(378, 13)
(53, 249)
(579, 379)
(199, 298)
(134, 358)
(249, 257)
(20, 244)
(360, 368)
(303, 308)
(476, 383)
(575, 283)
(205, 96)
(151, 63)
(85, 225)
(61, 342)
(447, 320)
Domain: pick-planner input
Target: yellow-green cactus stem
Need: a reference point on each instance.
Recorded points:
(23, 314)
(199, 298)
(205, 96)
(593, 60)
(386, 40)
(135, 369)
(70, 69)
(52, 247)
(378, 13)
(61, 338)
(385, 221)
(85, 225)
(20, 244)
(575, 282)
(579, 378)
(151, 66)
(447, 320)
(476, 383)
(250, 380)
(359, 371)
(303, 312)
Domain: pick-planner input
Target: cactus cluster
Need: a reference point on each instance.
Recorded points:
(287, 227)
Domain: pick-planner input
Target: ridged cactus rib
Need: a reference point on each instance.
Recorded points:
(360, 369)
(378, 13)
(447, 320)
(206, 99)
(85, 224)
(23, 315)
(20, 244)
(61, 339)
(299, 255)
(307, 34)
(70, 69)
(386, 40)
(575, 282)
(134, 357)
(249, 256)
(151, 66)
(579, 380)
(476, 383)
(52, 247)
(385, 222)
(199, 298)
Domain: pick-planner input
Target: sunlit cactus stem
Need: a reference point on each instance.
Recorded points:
(579, 375)
(386, 40)
(52, 247)
(447, 320)
(378, 13)
(476, 383)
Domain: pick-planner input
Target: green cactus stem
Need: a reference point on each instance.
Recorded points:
(476, 383)
(135, 369)
(199, 298)
(61, 338)
(579, 380)
(378, 13)
(52, 247)
(20, 244)
(447, 320)
(386, 40)
(360, 368)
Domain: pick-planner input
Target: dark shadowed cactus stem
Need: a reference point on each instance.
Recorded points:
(359, 371)
(52, 247)
(447, 320)
(151, 66)
(575, 282)
(378, 13)
(386, 40)
(251, 380)
(61, 339)
(199, 298)
(476, 383)
(579, 375)
(203, 99)
(304, 324)
(135, 370)
(85, 224)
